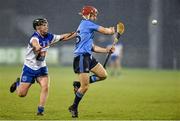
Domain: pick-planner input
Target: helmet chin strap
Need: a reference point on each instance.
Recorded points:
(86, 17)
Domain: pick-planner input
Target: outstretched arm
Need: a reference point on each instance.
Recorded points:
(62, 37)
(67, 36)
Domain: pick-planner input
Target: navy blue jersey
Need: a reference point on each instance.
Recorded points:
(85, 35)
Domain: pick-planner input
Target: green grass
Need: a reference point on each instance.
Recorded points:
(135, 94)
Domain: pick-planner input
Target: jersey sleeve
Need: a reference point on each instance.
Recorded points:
(93, 26)
(56, 38)
(34, 38)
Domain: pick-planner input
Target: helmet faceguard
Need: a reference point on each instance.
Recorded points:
(39, 22)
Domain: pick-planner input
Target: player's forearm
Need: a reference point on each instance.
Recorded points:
(104, 30)
(98, 49)
(36, 47)
(68, 36)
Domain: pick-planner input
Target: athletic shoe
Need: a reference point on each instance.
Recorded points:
(14, 85)
(73, 111)
(40, 113)
(76, 86)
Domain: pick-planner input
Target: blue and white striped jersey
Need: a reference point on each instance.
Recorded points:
(30, 57)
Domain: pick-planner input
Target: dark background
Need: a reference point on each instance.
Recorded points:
(145, 45)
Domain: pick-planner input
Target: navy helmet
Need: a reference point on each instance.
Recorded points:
(39, 22)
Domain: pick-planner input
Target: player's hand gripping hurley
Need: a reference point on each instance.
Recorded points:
(119, 31)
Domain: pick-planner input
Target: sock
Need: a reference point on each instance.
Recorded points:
(77, 99)
(40, 109)
(93, 78)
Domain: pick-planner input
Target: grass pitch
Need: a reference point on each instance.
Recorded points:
(135, 94)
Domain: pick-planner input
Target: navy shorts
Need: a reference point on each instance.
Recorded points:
(29, 75)
(84, 63)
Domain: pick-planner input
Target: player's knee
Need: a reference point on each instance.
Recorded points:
(104, 76)
(45, 88)
(22, 94)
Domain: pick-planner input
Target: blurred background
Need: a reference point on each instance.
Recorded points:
(145, 45)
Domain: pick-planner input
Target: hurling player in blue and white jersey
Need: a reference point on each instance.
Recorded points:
(116, 59)
(84, 62)
(35, 67)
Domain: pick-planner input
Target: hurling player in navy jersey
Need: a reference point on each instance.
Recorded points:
(84, 62)
(35, 65)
